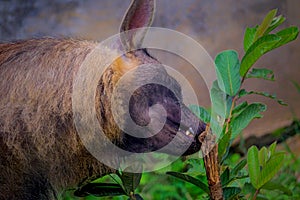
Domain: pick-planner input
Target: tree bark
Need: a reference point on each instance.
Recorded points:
(209, 150)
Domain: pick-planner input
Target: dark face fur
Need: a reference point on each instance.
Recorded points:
(164, 103)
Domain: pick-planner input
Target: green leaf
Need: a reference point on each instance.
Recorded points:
(253, 166)
(297, 86)
(263, 156)
(287, 35)
(131, 180)
(223, 145)
(249, 37)
(261, 73)
(100, 190)
(242, 120)
(277, 21)
(190, 179)
(225, 177)
(238, 167)
(256, 50)
(277, 186)
(231, 192)
(239, 108)
(227, 69)
(272, 148)
(270, 169)
(201, 113)
(262, 29)
(242, 93)
(221, 104)
(265, 94)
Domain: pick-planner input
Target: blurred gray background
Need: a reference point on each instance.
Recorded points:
(216, 24)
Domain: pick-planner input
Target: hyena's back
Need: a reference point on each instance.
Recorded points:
(38, 141)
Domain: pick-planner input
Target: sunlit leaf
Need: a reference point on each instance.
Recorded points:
(249, 37)
(287, 35)
(256, 50)
(263, 156)
(227, 69)
(253, 166)
(277, 21)
(270, 169)
(263, 27)
(265, 44)
(190, 179)
(272, 148)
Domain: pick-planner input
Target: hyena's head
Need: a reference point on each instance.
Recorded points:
(150, 108)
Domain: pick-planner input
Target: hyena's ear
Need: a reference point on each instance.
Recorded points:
(139, 14)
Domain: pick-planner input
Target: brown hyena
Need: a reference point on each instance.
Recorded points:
(41, 152)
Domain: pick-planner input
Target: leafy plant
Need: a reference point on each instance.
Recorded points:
(227, 118)
(125, 184)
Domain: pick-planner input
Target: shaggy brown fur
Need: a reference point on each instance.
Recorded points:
(36, 127)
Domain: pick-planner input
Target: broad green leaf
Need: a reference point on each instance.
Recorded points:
(221, 104)
(253, 166)
(225, 177)
(100, 190)
(242, 120)
(190, 179)
(238, 167)
(223, 145)
(270, 169)
(249, 37)
(231, 192)
(277, 21)
(287, 35)
(261, 30)
(237, 110)
(272, 148)
(200, 112)
(263, 156)
(256, 50)
(265, 44)
(277, 186)
(227, 69)
(261, 73)
(131, 180)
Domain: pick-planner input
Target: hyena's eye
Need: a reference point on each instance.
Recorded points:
(150, 102)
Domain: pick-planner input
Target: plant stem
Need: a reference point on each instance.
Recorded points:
(209, 150)
(230, 113)
(255, 194)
